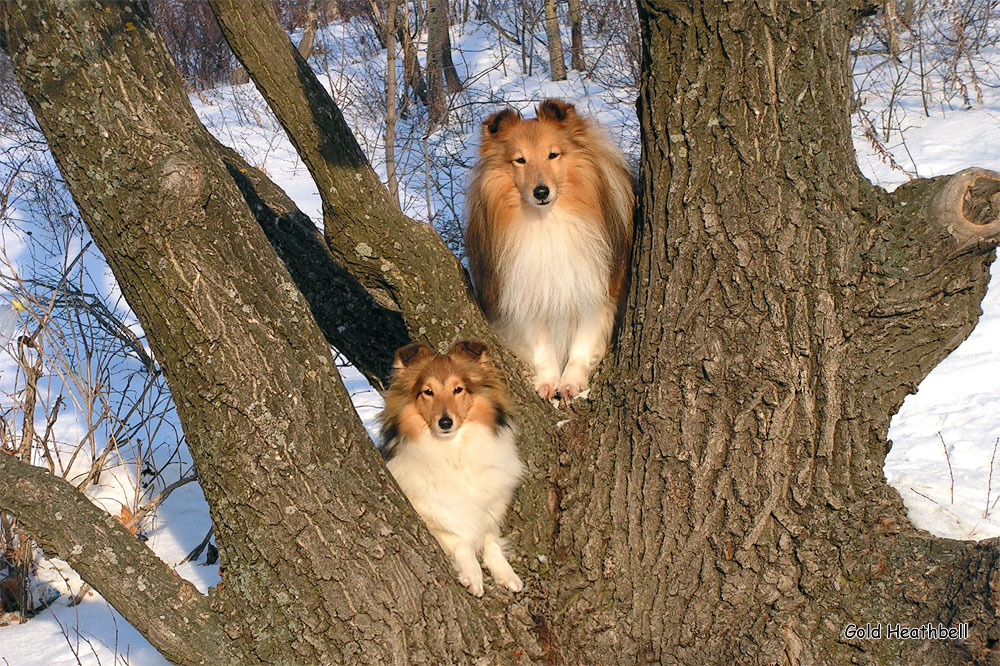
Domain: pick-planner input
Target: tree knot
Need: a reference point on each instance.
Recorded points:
(981, 204)
(182, 183)
(968, 205)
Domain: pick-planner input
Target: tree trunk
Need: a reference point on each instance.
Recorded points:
(557, 64)
(404, 276)
(437, 37)
(311, 22)
(363, 231)
(729, 504)
(415, 83)
(719, 499)
(451, 78)
(576, 36)
(390, 100)
(313, 534)
(365, 331)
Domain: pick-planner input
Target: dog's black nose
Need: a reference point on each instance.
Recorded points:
(541, 193)
(445, 422)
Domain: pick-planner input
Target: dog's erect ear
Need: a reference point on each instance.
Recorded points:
(472, 350)
(410, 354)
(556, 111)
(501, 121)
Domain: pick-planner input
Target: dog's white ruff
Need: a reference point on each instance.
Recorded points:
(461, 486)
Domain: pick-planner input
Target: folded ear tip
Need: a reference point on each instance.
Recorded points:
(555, 109)
(472, 348)
(501, 119)
(410, 353)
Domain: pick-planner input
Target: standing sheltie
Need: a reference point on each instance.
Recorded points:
(448, 439)
(548, 236)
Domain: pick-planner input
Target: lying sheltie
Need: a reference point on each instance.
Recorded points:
(548, 236)
(448, 439)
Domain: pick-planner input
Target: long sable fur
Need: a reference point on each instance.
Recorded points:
(602, 176)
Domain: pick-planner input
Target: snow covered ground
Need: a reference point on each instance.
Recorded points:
(950, 421)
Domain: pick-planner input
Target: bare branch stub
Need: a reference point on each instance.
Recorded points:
(968, 206)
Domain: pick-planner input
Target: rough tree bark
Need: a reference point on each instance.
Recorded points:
(416, 278)
(557, 63)
(350, 318)
(361, 225)
(312, 532)
(437, 36)
(576, 37)
(728, 503)
(719, 503)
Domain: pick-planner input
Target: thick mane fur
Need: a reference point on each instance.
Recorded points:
(599, 179)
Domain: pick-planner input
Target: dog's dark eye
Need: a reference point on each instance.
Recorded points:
(428, 392)
(552, 156)
(458, 389)
(521, 160)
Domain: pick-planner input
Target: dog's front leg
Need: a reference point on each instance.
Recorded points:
(545, 362)
(463, 555)
(590, 341)
(497, 563)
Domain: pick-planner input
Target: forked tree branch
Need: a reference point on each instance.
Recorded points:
(314, 535)
(282, 458)
(365, 331)
(164, 607)
(389, 253)
(400, 261)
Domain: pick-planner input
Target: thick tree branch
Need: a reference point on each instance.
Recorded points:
(168, 610)
(385, 250)
(403, 263)
(933, 242)
(727, 503)
(314, 534)
(724, 502)
(967, 205)
(398, 260)
(352, 321)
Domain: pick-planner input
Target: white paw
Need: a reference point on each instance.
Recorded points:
(545, 386)
(473, 582)
(573, 382)
(509, 580)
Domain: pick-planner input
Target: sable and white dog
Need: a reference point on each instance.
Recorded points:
(548, 236)
(448, 440)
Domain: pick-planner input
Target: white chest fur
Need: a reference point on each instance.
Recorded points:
(553, 269)
(460, 485)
